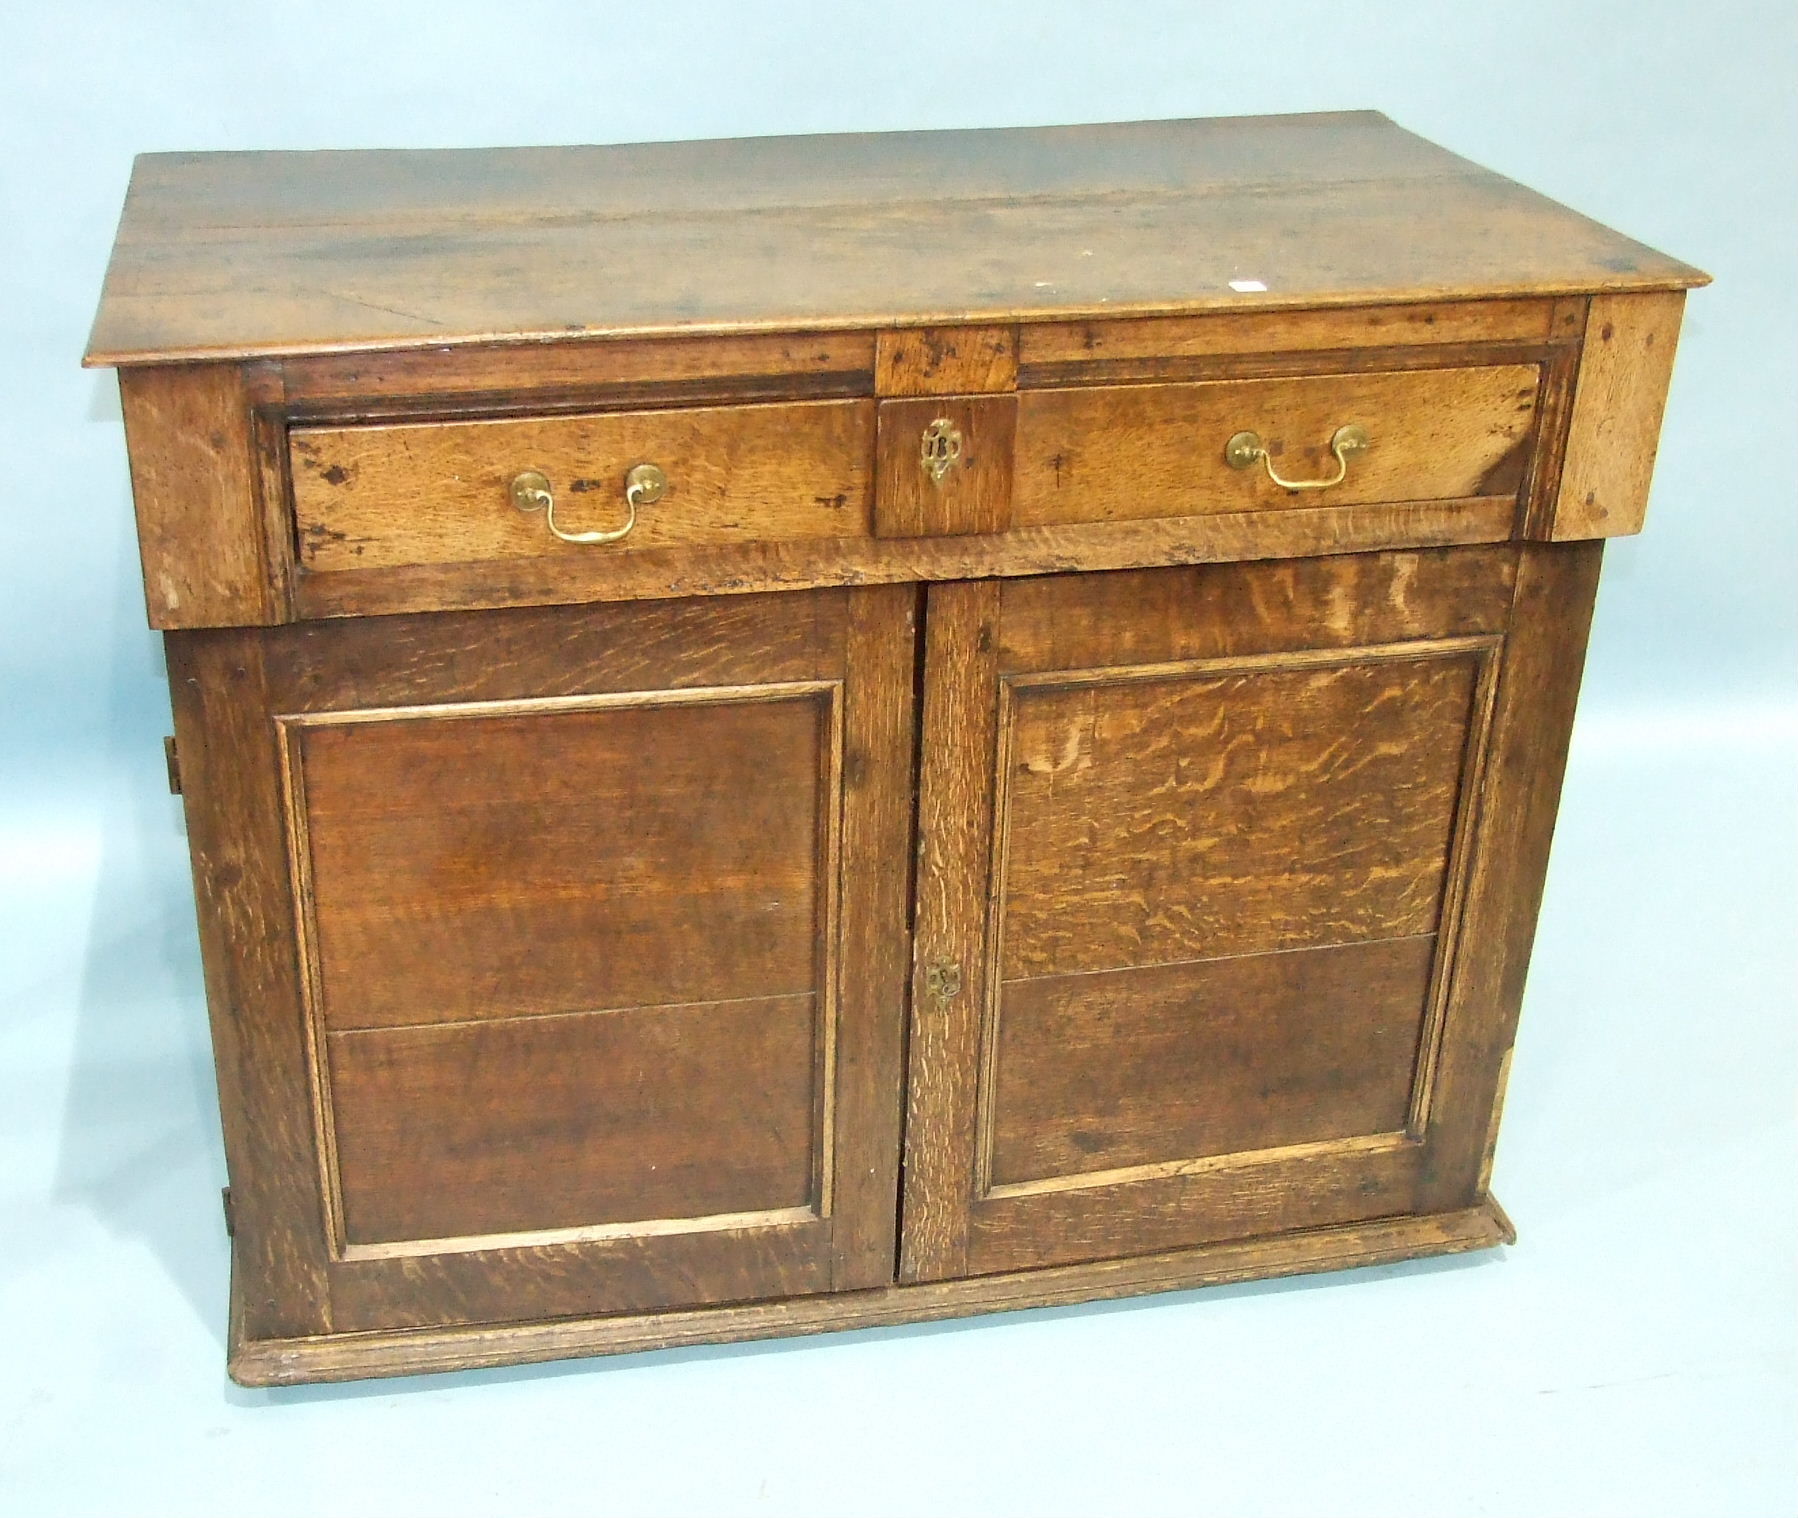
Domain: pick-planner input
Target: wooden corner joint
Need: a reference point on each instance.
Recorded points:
(1626, 363)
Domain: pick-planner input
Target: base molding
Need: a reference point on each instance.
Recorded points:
(411, 1351)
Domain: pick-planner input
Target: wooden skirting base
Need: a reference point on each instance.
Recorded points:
(348, 1357)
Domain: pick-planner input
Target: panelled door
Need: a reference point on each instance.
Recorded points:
(598, 1004)
(1198, 853)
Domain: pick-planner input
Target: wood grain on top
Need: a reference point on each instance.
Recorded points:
(231, 255)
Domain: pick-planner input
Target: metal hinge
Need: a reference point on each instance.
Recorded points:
(173, 760)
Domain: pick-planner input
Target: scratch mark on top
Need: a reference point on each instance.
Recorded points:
(371, 305)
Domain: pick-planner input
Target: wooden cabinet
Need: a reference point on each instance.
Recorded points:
(772, 742)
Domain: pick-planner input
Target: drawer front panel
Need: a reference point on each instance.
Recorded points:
(379, 496)
(1126, 452)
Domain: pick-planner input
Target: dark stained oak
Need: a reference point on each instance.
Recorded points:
(554, 859)
(1171, 1062)
(1382, 1241)
(238, 254)
(862, 893)
(649, 1114)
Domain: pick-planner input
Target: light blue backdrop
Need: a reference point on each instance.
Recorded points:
(1650, 1131)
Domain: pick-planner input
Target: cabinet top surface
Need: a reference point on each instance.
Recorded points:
(238, 255)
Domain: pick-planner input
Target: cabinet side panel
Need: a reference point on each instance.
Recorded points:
(231, 791)
(1521, 787)
(194, 481)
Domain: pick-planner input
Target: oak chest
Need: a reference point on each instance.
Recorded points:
(793, 733)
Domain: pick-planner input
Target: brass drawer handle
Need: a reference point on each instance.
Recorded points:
(643, 485)
(1245, 448)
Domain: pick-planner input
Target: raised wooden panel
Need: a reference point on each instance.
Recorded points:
(1160, 815)
(1245, 1196)
(1158, 1065)
(373, 496)
(544, 652)
(658, 1119)
(1122, 452)
(468, 864)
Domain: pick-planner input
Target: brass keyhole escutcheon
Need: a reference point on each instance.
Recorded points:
(943, 980)
(940, 450)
